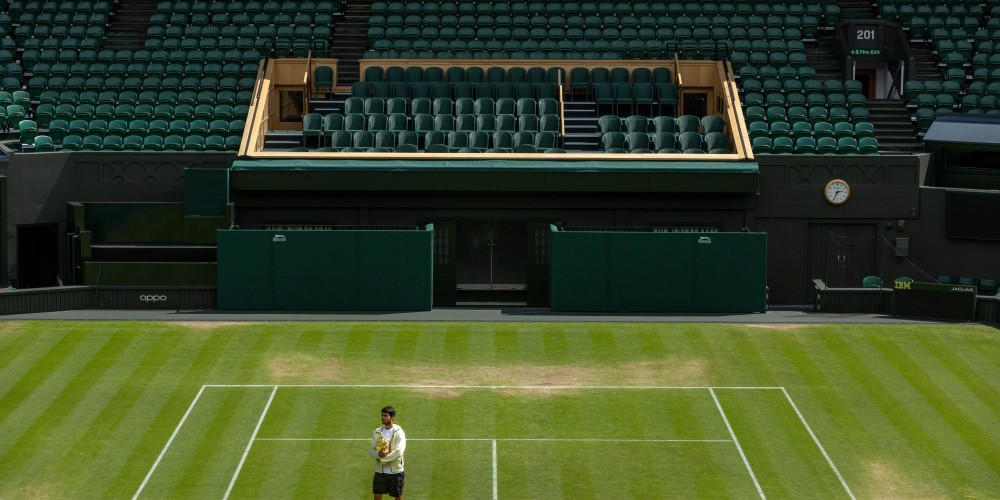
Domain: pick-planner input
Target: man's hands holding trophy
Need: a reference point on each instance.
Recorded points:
(382, 446)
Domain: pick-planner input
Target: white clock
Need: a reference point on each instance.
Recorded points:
(837, 192)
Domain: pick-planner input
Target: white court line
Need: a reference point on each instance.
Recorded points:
(738, 447)
(495, 491)
(250, 443)
(816, 440)
(171, 440)
(525, 387)
(572, 440)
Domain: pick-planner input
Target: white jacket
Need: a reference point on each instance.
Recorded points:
(393, 462)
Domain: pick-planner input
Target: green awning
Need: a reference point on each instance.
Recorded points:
(496, 176)
(733, 167)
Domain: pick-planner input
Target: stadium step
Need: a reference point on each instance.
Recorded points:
(128, 25)
(893, 128)
(350, 40)
(822, 56)
(855, 9)
(926, 68)
(283, 140)
(326, 106)
(581, 126)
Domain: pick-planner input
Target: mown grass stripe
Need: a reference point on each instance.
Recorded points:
(895, 426)
(816, 378)
(13, 343)
(75, 419)
(946, 410)
(40, 388)
(964, 370)
(173, 389)
(103, 439)
(25, 374)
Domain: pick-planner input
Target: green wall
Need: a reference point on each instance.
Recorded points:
(325, 270)
(149, 273)
(658, 272)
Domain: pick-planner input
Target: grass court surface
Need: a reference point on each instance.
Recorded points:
(499, 410)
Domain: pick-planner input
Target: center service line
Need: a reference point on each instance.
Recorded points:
(737, 441)
(171, 440)
(249, 444)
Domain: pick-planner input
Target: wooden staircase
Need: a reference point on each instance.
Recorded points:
(128, 25)
(350, 40)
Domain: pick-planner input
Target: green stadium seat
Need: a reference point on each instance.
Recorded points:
(826, 145)
(805, 145)
(867, 145)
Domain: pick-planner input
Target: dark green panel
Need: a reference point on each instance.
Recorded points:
(244, 270)
(732, 272)
(3, 230)
(580, 272)
(206, 191)
(315, 270)
(201, 229)
(658, 272)
(135, 222)
(325, 270)
(395, 270)
(645, 273)
(150, 273)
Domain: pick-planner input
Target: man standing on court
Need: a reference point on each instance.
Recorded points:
(388, 445)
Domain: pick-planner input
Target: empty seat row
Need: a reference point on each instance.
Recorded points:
(495, 74)
(796, 114)
(575, 28)
(805, 129)
(142, 70)
(148, 143)
(447, 106)
(423, 123)
(240, 19)
(665, 142)
(795, 86)
(823, 145)
(252, 7)
(37, 84)
(453, 90)
(679, 125)
(804, 99)
(435, 141)
(205, 36)
(45, 114)
(147, 97)
(621, 8)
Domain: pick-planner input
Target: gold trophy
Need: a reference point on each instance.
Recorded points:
(381, 444)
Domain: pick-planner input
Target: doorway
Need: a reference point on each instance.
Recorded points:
(491, 259)
(843, 254)
(37, 255)
(867, 77)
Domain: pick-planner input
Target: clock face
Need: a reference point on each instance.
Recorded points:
(837, 192)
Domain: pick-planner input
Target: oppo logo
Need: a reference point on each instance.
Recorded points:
(153, 298)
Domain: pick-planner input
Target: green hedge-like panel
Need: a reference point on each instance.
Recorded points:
(325, 270)
(658, 272)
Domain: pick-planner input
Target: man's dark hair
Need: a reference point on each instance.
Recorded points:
(390, 411)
